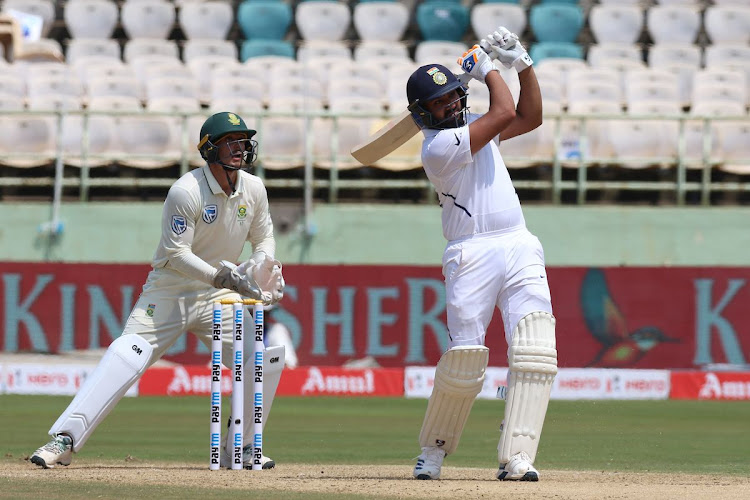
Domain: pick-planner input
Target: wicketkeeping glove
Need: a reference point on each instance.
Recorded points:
(228, 277)
(267, 274)
(508, 49)
(476, 63)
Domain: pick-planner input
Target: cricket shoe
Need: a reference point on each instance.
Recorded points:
(58, 451)
(518, 468)
(247, 459)
(429, 463)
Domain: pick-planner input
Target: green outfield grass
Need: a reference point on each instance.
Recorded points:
(655, 436)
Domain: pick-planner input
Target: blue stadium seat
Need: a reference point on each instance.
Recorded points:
(445, 21)
(556, 22)
(265, 20)
(543, 50)
(255, 48)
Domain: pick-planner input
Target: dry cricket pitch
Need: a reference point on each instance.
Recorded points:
(396, 482)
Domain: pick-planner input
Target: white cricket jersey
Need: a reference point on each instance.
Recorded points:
(475, 192)
(202, 226)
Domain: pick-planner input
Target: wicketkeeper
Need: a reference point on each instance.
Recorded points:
(491, 259)
(208, 215)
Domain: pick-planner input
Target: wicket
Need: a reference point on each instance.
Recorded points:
(236, 428)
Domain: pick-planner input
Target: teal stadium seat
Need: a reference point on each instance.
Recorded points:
(444, 21)
(264, 19)
(256, 48)
(556, 22)
(544, 50)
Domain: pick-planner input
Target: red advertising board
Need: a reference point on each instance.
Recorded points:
(606, 317)
(729, 386)
(305, 381)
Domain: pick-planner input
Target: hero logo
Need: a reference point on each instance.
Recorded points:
(338, 384)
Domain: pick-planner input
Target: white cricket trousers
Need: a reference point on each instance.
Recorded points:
(171, 305)
(503, 269)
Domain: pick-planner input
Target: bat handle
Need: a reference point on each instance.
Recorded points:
(465, 78)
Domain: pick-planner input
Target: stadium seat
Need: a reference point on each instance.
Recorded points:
(283, 139)
(442, 21)
(386, 21)
(148, 67)
(340, 88)
(673, 23)
(656, 83)
(322, 20)
(44, 49)
(91, 18)
(147, 18)
(727, 23)
(84, 47)
(369, 49)
(139, 47)
(581, 77)
(311, 49)
(113, 122)
(729, 56)
(12, 86)
(109, 86)
(612, 23)
(293, 88)
(240, 88)
(183, 129)
(260, 48)
(565, 50)
(669, 53)
(46, 85)
(42, 8)
(559, 69)
(72, 125)
(486, 17)
(27, 139)
(589, 139)
(350, 131)
(700, 134)
(264, 20)
(599, 53)
(89, 72)
(592, 90)
(171, 86)
(556, 22)
(212, 19)
(532, 148)
(441, 52)
(205, 47)
(735, 144)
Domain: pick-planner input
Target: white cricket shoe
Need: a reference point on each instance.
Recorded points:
(429, 463)
(58, 451)
(518, 468)
(247, 459)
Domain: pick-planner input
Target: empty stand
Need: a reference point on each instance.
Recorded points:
(322, 20)
(212, 19)
(380, 21)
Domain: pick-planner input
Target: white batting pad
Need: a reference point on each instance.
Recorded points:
(532, 366)
(458, 379)
(121, 366)
(273, 365)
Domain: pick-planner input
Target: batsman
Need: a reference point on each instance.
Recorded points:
(208, 216)
(491, 259)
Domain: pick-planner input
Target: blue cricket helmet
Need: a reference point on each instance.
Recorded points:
(430, 82)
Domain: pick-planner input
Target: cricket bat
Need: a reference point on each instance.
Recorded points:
(395, 133)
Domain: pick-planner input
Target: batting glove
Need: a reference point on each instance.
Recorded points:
(476, 63)
(508, 49)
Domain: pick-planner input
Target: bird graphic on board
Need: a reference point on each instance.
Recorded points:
(620, 347)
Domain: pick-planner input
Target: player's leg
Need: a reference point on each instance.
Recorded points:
(154, 324)
(458, 379)
(122, 365)
(470, 301)
(532, 361)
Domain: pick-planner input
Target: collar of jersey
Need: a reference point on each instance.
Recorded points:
(214, 184)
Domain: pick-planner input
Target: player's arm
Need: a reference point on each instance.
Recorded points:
(477, 64)
(512, 54)
(178, 230)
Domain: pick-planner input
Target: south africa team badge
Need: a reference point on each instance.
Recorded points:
(209, 213)
(242, 212)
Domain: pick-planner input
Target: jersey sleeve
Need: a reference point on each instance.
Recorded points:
(181, 212)
(261, 229)
(449, 149)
